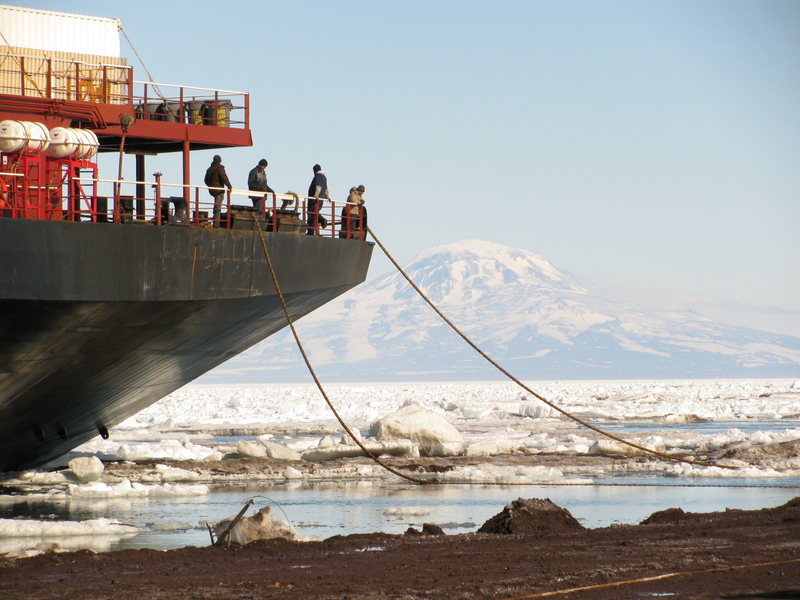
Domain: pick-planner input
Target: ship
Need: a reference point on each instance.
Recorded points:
(113, 292)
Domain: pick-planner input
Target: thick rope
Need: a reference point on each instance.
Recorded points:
(654, 578)
(144, 66)
(314, 375)
(525, 387)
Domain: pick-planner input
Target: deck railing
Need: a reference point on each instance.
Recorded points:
(191, 105)
(62, 79)
(90, 199)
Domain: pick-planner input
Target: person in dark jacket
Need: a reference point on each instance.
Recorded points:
(217, 179)
(257, 182)
(317, 194)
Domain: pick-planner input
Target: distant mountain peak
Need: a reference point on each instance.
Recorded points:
(527, 313)
(465, 270)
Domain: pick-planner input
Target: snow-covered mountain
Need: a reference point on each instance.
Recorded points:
(532, 317)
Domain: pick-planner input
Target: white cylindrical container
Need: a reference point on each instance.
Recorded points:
(38, 136)
(87, 143)
(19, 136)
(12, 136)
(63, 142)
(66, 142)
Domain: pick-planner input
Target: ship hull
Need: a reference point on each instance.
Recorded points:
(100, 321)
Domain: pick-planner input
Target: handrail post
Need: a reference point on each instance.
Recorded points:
(105, 84)
(49, 86)
(130, 85)
(158, 198)
(228, 215)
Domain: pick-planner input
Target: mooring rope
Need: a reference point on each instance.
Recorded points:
(653, 578)
(314, 375)
(144, 66)
(525, 387)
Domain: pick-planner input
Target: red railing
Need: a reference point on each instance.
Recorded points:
(61, 79)
(191, 105)
(69, 190)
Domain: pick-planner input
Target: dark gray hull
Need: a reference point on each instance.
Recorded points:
(99, 321)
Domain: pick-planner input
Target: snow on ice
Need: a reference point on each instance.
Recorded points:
(293, 424)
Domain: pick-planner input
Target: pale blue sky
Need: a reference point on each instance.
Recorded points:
(651, 145)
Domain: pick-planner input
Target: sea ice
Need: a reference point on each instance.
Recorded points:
(250, 449)
(292, 473)
(126, 489)
(279, 452)
(172, 474)
(448, 449)
(86, 468)
(261, 526)
(482, 449)
(406, 511)
(423, 427)
(392, 448)
(41, 528)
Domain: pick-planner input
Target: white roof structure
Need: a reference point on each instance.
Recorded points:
(58, 32)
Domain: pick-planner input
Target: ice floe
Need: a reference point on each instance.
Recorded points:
(28, 537)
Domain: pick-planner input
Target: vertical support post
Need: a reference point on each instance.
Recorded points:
(228, 205)
(140, 187)
(77, 81)
(130, 85)
(186, 169)
(104, 87)
(158, 198)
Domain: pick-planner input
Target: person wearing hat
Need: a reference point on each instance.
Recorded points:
(217, 179)
(257, 182)
(317, 194)
(351, 213)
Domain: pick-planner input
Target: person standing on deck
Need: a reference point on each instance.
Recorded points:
(216, 177)
(317, 193)
(257, 182)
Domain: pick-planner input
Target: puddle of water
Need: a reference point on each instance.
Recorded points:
(341, 508)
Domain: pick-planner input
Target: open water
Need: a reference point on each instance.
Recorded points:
(341, 508)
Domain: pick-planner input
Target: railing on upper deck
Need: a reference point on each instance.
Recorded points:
(62, 79)
(90, 199)
(192, 105)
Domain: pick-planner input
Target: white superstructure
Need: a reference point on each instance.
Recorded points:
(58, 32)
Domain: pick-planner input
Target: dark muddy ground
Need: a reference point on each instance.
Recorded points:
(542, 552)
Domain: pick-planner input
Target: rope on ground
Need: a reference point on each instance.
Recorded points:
(655, 578)
(314, 375)
(525, 387)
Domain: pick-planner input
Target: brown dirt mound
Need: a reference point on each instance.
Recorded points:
(531, 516)
(670, 515)
(427, 529)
